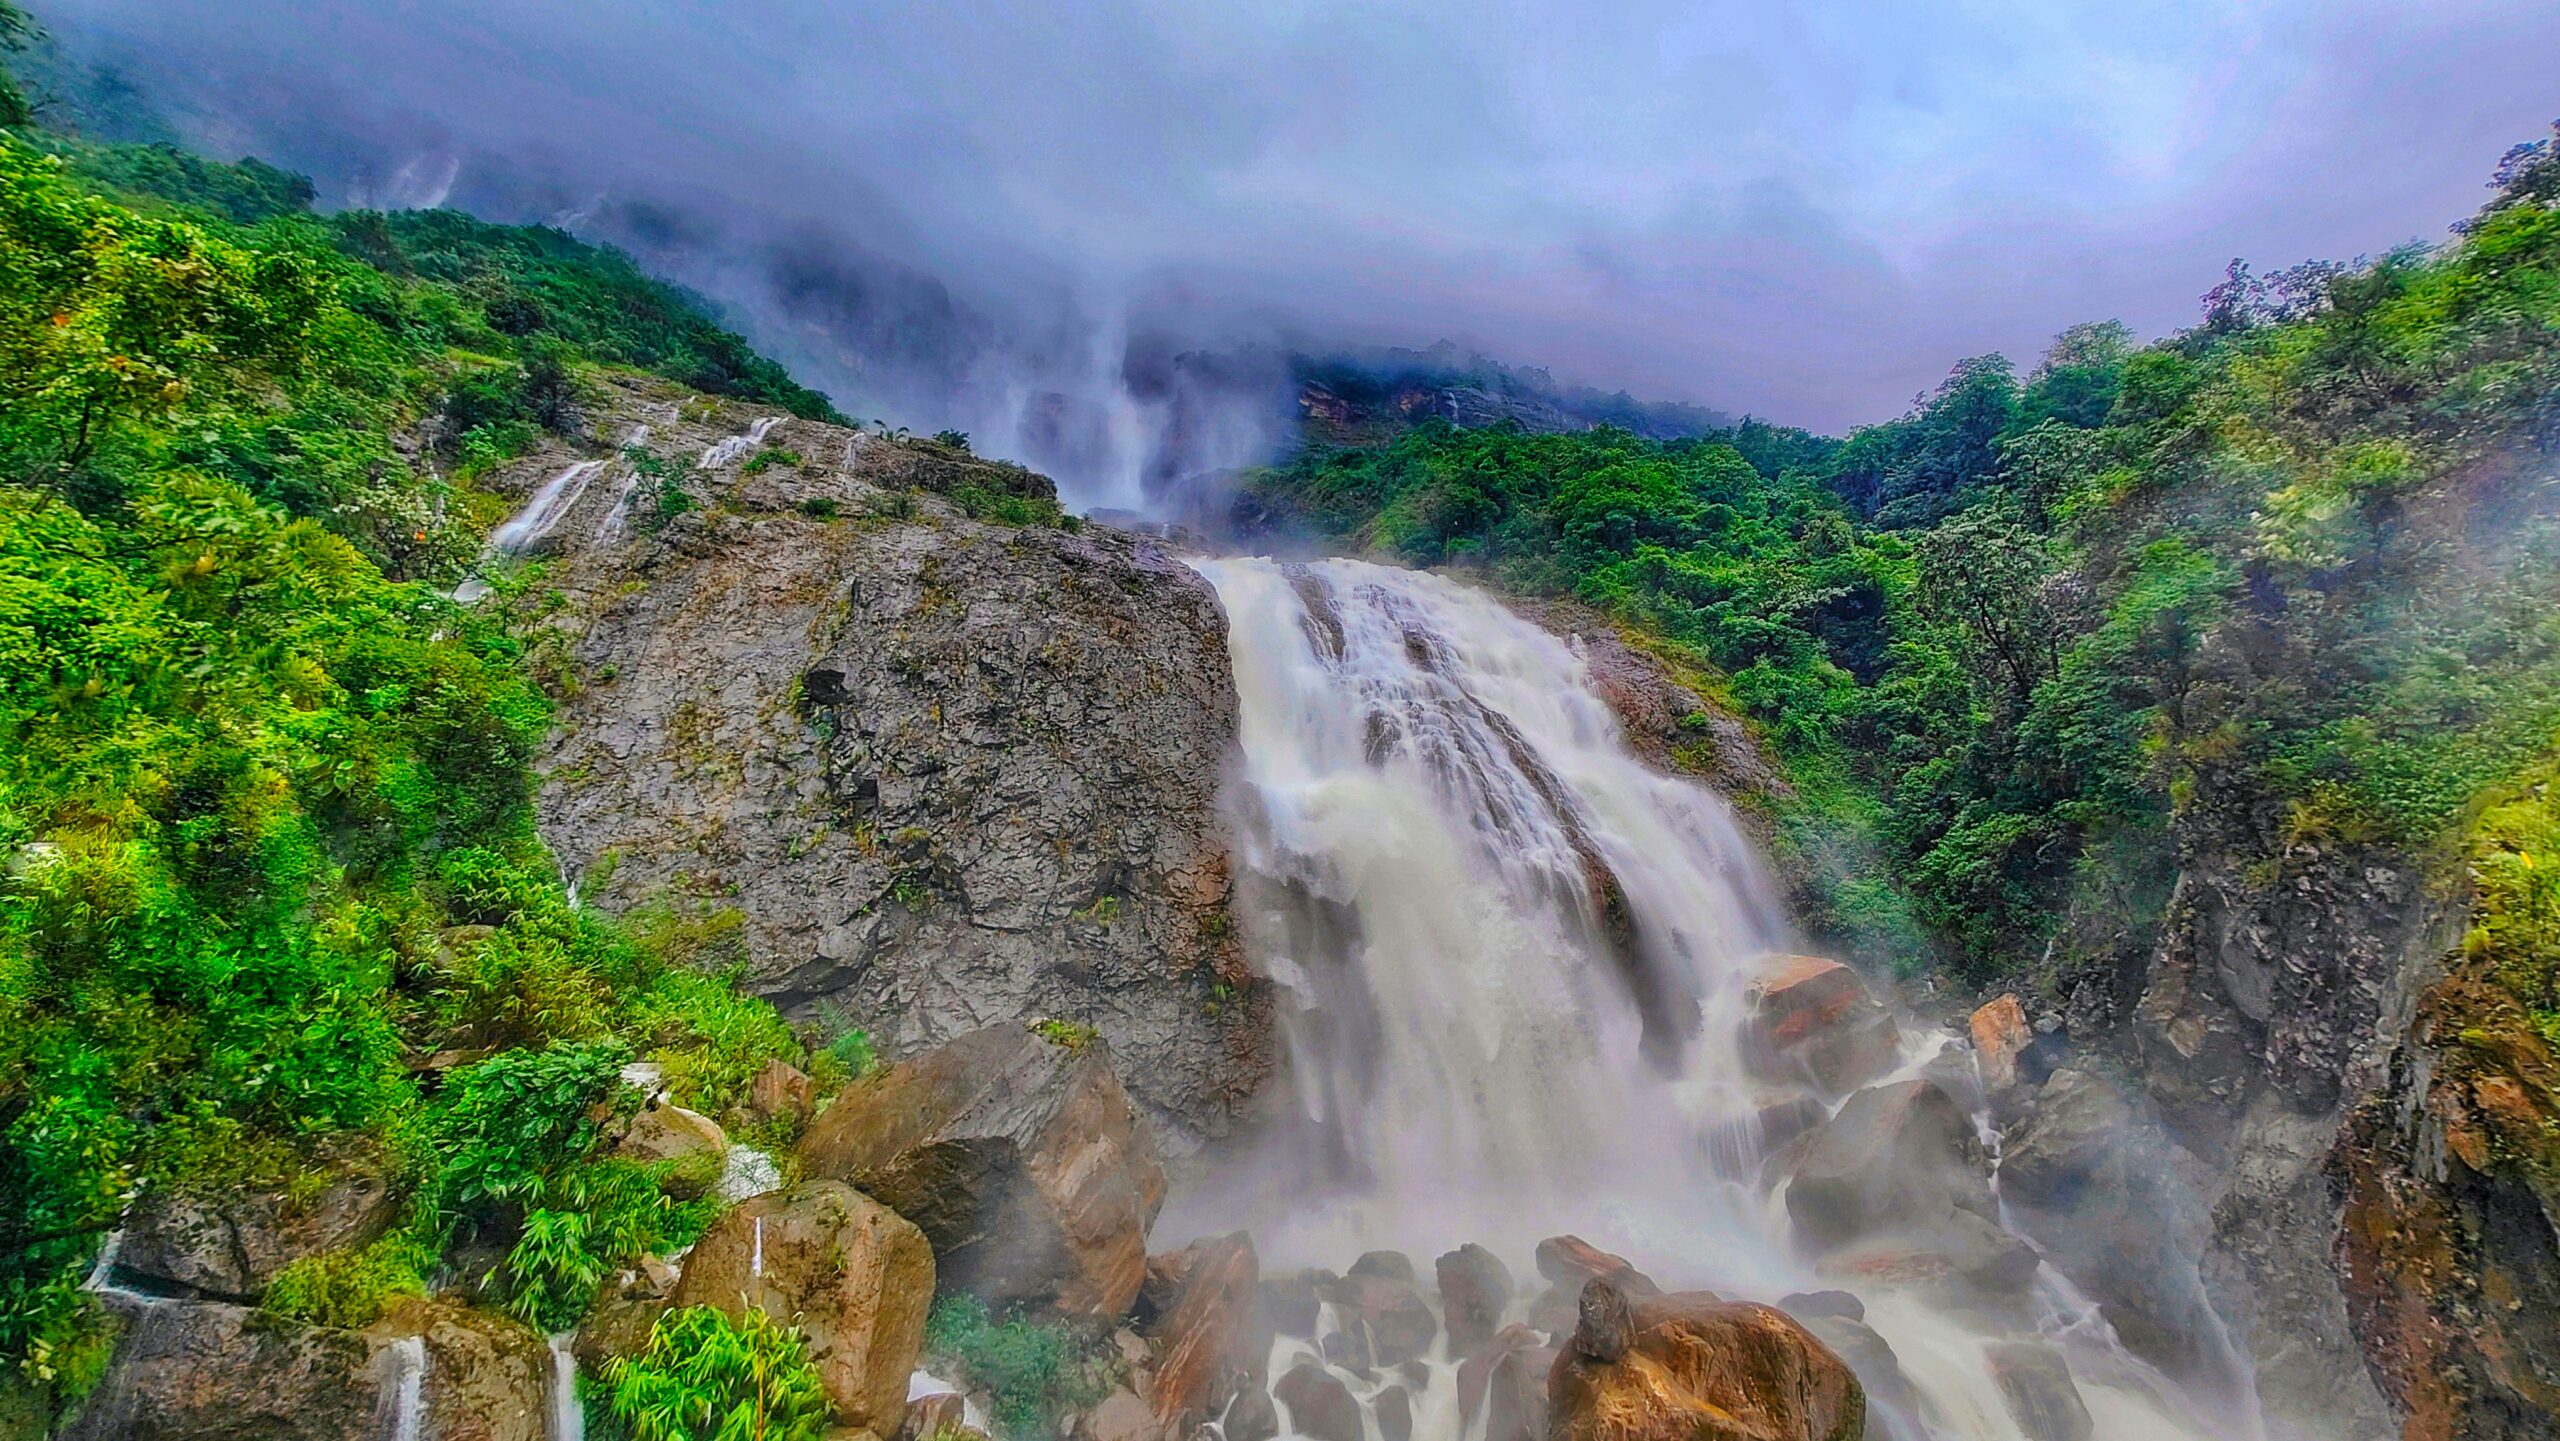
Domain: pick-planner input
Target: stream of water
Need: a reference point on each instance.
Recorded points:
(1517, 961)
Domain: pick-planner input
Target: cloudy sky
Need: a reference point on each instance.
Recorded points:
(1804, 211)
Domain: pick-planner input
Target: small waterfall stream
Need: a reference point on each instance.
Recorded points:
(568, 1417)
(408, 1388)
(1516, 961)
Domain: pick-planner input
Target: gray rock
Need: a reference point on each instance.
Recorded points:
(1320, 1406)
(1475, 1288)
(229, 1247)
(947, 772)
(2042, 1397)
(1892, 1156)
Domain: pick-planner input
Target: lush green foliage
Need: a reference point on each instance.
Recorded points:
(1034, 1371)
(705, 1377)
(2296, 562)
(266, 842)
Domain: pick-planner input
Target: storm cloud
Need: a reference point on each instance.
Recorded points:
(1805, 212)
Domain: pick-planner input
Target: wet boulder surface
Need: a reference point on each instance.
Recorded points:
(1020, 1157)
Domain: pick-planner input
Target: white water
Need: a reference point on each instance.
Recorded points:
(568, 1418)
(551, 500)
(736, 447)
(409, 1387)
(744, 1172)
(1424, 803)
(973, 1411)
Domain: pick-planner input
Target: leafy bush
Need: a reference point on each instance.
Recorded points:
(350, 1289)
(1035, 1372)
(705, 1377)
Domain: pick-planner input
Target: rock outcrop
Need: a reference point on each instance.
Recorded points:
(1475, 1288)
(1814, 1021)
(856, 1278)
(1692, 1367)
(942, 772)
(228, 1247)
(1020, 1157)
(1199, 1303)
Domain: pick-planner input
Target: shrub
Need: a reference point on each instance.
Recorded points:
(705, 1377)
(350, 1289)
(1034, 1371)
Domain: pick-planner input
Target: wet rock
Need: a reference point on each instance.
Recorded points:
(1960, 1258)
(2037, 1384)
(1805, 1305)
(1393, 1406)
(1389, 1314)
(1702, 1369)
(485, 1376)
(1814, 1020)
(620, 1325)
(943, 1414)
(1568, 1261)
(1506, 1382)
(1252, 1417)
(1289, 1305)
(665, 1132)
(781, 1092)
(211, 1371)
(1206, 1345)
(1122, 1416)
(1891, 1157)
(2000, 1036)
(1021, 1157)
(2099, 1193)
(1475, 1287)
(1386, 1266)
(1893, 1405)
(1042, 714)
(228, 1247)
(1320, 1406)
(1349, 1350)
(854, 1276)
(1607, 1326)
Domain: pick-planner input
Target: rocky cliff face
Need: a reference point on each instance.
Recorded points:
(925, 771)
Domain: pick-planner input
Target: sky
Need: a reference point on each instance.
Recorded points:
(1807, 212)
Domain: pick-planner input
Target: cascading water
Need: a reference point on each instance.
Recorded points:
(1518, 960)
(408, 1389)
(568, 1420)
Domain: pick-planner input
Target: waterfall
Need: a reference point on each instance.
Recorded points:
(551, 500)
(1515, 962)
(408, 1387)
(568, 1417)
(736, 447)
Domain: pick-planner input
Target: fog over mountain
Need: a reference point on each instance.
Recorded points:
(992, 216)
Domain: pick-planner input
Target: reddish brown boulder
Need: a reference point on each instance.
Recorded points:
(1475, 1287)
(1700, 1369)
(1569, 1261)
(1019, 1156)
(1815, 1021)
(944, 1415)
(850, 1273)
(1320, 1406)
(1390, 1316)
(2000, 1035)
(1507, 1381)
(1892, 1156)
(1202, 1326)
(781, 1092)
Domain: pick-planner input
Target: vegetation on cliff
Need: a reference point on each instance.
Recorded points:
(271, 901)
(2294, 562)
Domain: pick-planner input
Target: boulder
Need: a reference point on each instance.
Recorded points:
(1815, 1021)
(1892, 1156)
(1290, 1305)
(1507, 1383)
(1389, 1315)
(1567, 1262)
(1475, 1288)
(2069, 1145)
(2042, 1398)
(781, 1092)
(486, 1376)
(852, 1274)
(663, 1131)
(943, 1414)
(1206, 1344)
(1959, 1258)
(1701, 1369)
(1387, 1266)
(211, 1371)
(2000, 1036)
(1122, 1416)
(1393, 1406)
(1252, 1417)
(1320, 1406)
(228, 1247)
(1893, 1405)
(1021, 1158)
